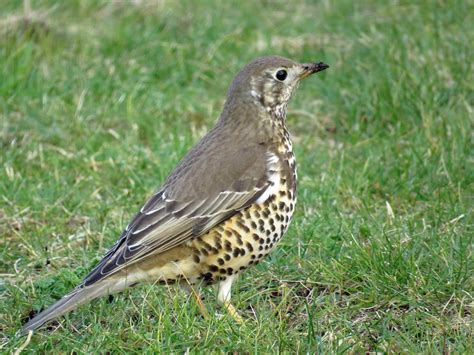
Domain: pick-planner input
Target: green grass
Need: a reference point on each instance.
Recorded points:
(100, 100)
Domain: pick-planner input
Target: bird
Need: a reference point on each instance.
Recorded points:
(222, 209)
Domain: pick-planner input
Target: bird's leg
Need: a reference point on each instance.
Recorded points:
(233, 312)
(223, 297)
(190, 289)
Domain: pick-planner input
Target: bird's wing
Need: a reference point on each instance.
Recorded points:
(195, 198)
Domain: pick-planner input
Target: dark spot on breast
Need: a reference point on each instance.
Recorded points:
(204, 252)
(255, 237)
(213, 268)
(243, 227)
(253, 225)
(223, 271)
(261, 241)
(227, 257)
(228, 246)
(207, 276)
(208, 246)
(249, 246)
(230, 271)
(259, 256)
(236, 252)
(220, 261)
(196, 259)
(239, 240)
(228, 233)
(260, 247)
(268, 232)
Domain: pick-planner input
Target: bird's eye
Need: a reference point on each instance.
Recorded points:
(281, 75)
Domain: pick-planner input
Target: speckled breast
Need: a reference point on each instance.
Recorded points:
(244, 239)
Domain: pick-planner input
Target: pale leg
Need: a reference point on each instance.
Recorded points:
(223, 297)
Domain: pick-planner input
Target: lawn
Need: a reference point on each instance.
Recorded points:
(100, 99)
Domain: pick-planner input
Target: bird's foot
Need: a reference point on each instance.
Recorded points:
(233, 312)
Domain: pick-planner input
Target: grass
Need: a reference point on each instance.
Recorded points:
(99, 100)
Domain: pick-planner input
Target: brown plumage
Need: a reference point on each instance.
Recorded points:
(222, 209)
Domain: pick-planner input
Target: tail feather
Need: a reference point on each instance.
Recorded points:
(76, 298)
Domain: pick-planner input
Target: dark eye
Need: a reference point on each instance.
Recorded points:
(281, 75)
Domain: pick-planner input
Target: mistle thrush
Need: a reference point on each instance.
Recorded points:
(224, 207)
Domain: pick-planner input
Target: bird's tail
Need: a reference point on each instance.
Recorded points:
(76, 298)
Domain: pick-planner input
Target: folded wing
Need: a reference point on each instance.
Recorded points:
(196, 197)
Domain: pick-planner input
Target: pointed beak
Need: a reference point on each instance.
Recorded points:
(311, 68)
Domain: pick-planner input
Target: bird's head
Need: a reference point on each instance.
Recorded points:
(270, 81)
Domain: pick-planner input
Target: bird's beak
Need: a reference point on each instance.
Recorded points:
(311, 68)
